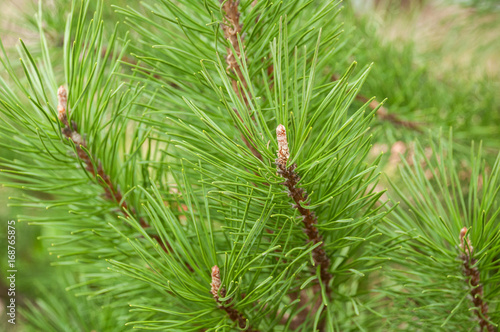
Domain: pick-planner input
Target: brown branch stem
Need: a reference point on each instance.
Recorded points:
(232, 28)
(299, 196)
(473, 277)
(218, 292)
(112, 192)
(383, 114)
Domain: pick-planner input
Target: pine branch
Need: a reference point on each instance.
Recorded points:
(233, 313)
(473, 277)
(300, 198)
(384, 114)
(232, 28)
(112, 192)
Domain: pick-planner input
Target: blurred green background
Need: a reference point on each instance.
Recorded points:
(436, 62)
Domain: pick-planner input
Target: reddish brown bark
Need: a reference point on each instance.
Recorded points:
(299, 196)
(473, 277)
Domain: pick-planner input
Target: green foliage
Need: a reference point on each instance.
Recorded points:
(58, 308)
(440, 196)
(176, 173)
(419, 90)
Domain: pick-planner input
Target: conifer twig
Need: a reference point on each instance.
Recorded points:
(218, 292)
(473, 277)
(111, 191)
(299, 196)
(232, 28)
(384, 115)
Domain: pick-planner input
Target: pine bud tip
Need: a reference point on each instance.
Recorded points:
(467, 248)
(283, 151)
(62, 99)
(216, 283)
(463, 231)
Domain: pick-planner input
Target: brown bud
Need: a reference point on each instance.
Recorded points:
(62, 106)
(283, 152)
(467, 248)
(216, 283)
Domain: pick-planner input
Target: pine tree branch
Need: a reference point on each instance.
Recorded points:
(299, 196)
(218, 291)
(232, 28)
(134, 63)
(112, 192)
(473, 277)
(384, 115)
